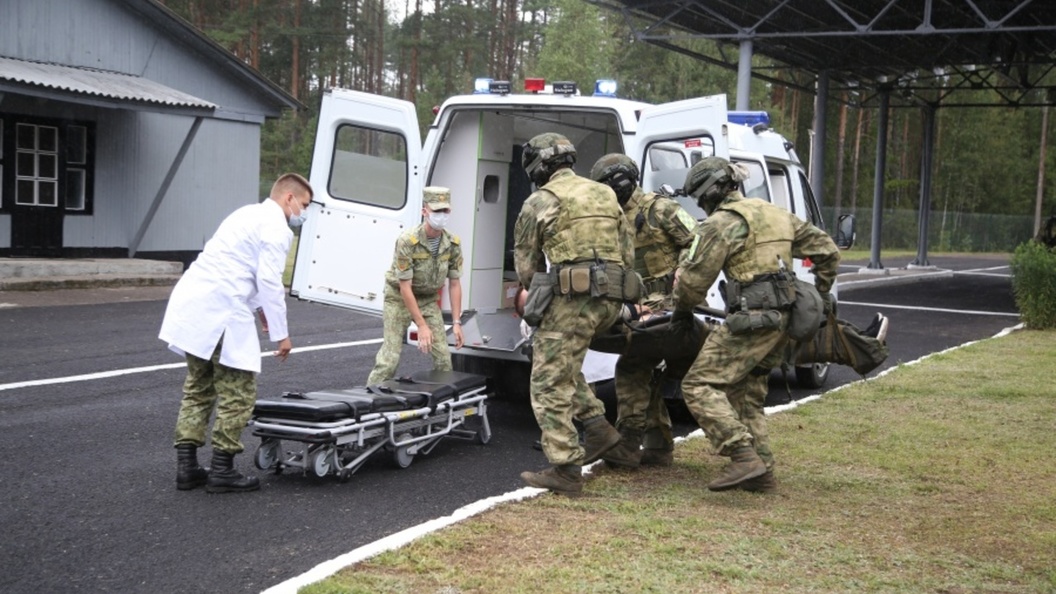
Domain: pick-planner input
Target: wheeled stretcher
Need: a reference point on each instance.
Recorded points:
(335, 431)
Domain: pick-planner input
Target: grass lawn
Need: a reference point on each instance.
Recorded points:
(938, 477)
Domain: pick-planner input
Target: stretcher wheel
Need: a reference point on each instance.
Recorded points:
(269, 452)
(402, 455)
(322, 461)
(482, 434)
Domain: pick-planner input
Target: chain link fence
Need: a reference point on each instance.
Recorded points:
(947, 231)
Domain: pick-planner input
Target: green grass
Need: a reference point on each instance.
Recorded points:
(937, 477)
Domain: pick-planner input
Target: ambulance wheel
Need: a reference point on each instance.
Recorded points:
(322, 461)
(483, 435)
(812, 376)
(269, 452)
(402, 455)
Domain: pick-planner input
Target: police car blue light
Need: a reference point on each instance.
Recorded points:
(481, 86)
(605, 88)
(749, 118)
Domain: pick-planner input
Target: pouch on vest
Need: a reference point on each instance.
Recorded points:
(540, 294)
(599, 280)
(807, 312)
(748, 320)
(632, 286)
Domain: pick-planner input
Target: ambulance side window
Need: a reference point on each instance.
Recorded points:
(813, 212)
(782, 191)
(755, 185)
(369, 166)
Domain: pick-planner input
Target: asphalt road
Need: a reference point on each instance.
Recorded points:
(87, 465)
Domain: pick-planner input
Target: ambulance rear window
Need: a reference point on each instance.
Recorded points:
(369, 166)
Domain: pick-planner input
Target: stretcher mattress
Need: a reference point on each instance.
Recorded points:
(421, 389)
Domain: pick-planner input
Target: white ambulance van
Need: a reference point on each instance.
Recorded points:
(369, 168)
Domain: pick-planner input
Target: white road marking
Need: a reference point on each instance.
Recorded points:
(394, 541)
(131, 370)
(938, 309)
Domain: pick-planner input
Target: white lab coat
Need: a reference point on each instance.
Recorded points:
(239, 270)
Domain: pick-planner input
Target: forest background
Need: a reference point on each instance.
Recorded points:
(986, 164)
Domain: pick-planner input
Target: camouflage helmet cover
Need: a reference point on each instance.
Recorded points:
(543, 152)
(619, 172)
(611, 164)
(711, 178)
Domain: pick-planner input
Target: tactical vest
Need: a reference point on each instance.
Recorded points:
(654, 253)
(770, 235)
(587, 225)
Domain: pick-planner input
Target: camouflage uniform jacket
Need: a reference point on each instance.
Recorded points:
(663, 230)
(726, 237)
(413, 261)
(570, 219)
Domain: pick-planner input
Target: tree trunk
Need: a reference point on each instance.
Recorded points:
(295, 52)
(841, 140)
(857, 159)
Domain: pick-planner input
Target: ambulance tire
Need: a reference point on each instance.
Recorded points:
(812, 376)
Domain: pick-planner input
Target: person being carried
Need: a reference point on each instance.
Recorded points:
(425, 258)
(209, 320)
(663, 231)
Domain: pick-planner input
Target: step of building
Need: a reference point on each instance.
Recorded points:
(33, 274)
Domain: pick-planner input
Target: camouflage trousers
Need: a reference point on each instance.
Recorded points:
(725, 388)
(210, 384)
(639, 397)
(640, 402)
(396, 318)
(559, 391)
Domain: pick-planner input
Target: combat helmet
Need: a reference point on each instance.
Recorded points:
(619, 172)
(544, 154)
(711, 179)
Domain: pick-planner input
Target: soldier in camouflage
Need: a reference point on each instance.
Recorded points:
(577, 225)
(663, 231)
(753, 243)
(425, 258)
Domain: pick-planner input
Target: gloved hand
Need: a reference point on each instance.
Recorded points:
(829, 303)
(684, 327)
(526, 330)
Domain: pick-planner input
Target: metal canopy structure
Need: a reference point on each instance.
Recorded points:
(883, 53)
(927, 51)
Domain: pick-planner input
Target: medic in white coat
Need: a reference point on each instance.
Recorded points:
(210, 321)
(239, 270)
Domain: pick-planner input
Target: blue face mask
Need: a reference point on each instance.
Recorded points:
(296, 220)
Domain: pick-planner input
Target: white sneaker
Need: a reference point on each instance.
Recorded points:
(878, 328)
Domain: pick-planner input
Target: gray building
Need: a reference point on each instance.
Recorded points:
(124, 131)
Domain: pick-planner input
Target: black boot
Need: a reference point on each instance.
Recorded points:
(188, 474)
(223, 478)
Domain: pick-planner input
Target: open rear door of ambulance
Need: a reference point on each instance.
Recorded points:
(366, 175)
(671, 137)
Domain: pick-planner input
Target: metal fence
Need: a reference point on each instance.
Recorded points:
(947, 231)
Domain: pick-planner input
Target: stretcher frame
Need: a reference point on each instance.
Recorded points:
(341, 447)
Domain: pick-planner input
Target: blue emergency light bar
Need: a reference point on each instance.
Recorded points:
(604, 88)
(749, 118)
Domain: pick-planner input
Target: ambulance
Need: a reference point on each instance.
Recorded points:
(369, 168)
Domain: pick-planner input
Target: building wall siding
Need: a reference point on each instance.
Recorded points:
(104, 34)
(135, 149)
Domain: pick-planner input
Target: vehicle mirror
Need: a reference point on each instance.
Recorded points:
(845, 232)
